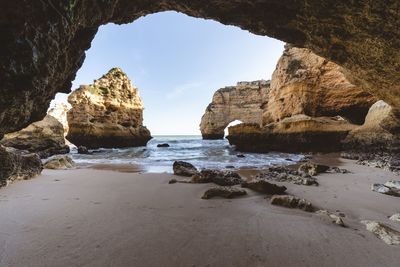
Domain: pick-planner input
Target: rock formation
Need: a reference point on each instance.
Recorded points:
(46, 138)
(59, 111)
(107, 113)
(17, 165)
(44, 42)
(241, 102)
(304, 83)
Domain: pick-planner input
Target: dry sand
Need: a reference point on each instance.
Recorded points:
(92, 217)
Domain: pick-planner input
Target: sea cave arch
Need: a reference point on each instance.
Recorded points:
(44, 42)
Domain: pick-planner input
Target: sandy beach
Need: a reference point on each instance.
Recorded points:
(88, 217)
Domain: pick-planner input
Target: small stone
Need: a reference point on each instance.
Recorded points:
(230, 167)
(225, 192)
(240, 156)
(163, 145)
(83, 150)
(183, 168)
(292, 202)
(312, 168)
(383, 189)
(393, 184)
(336, 219)
(173, 181)
(264, 187)
(387, 234)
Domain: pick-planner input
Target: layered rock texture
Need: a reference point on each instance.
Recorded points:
(241, 102)
(304, 83)
(44, 42)
(59, 111)
(310, 107)
(17, 165)
(107, 113)
(46, 138)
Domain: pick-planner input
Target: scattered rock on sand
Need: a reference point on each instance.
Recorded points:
(336, 219)
(224, 191)
(393, 184)
(223, 178)
(292, 202)
(60, 162)
(383, 189)
(312, 168)
(387, 234)
(83, 150)
(163, 145)
(284, 174)
(395, 217)
(337, 170)
(183, 168)
(172, 181)
(264, 187)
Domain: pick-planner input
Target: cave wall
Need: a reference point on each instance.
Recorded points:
(43, 43)
(242, 102)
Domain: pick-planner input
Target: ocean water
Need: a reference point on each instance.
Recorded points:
(201, 153)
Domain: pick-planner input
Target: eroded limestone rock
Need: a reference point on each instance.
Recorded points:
(107, 113)
(182, 168)
(285, 174)
(384, 232)
(45, 138)
(264, 187)
(330, 216)
(60, 162)
(312, 169)
(383, 189)
(59, 112)
(242, 102)
(17, 165)
(395, 217)
(221, 177)
(224, 191)
(292, 202)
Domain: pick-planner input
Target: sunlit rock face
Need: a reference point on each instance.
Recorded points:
(377, 133)
(59, 112)
(45, 138)
(304, 83)
(242, 102)
(107, 113)
(43, 43)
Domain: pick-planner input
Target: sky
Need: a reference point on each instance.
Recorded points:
(178, 62)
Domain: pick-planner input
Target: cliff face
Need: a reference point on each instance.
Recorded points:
(44, 42)
(45, 138)
(59, 112)
(304, 83)
(241, 102)
(107, 113)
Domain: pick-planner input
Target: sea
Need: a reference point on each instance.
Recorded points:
(212, 154)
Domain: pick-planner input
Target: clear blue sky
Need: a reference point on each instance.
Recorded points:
(178, 62)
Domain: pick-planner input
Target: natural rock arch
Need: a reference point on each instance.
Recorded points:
(43, 43)
(242, 102)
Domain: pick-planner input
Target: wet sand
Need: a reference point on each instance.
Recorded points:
(89, 217)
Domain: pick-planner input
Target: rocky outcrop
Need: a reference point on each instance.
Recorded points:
(17, 165)
(304, 83)
(44, 42)
(378, 133)
(384, 232)
(46, 138)
(224, 192)
(182, 168)
(107, 113)
(264, 187)
(299, 133)
(292, 202)
(242, 102)
(59, 112)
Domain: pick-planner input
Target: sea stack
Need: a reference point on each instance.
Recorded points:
(107, 113)
(242, 102)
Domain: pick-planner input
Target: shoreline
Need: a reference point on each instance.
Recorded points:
(102, 217)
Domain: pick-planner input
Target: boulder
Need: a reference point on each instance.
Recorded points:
(18, 165)
(299, 133)
(60, 162)
(45, 138)
(395, 217)
(264, 187)
(182, 168)
(224, 191)
(312, 168)
(83, 150)
(383, 189)
(384, 232)
(285, 174)
(107, 113)
(163, 145)
(292, 202)
(222, 178)
(241, 102)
